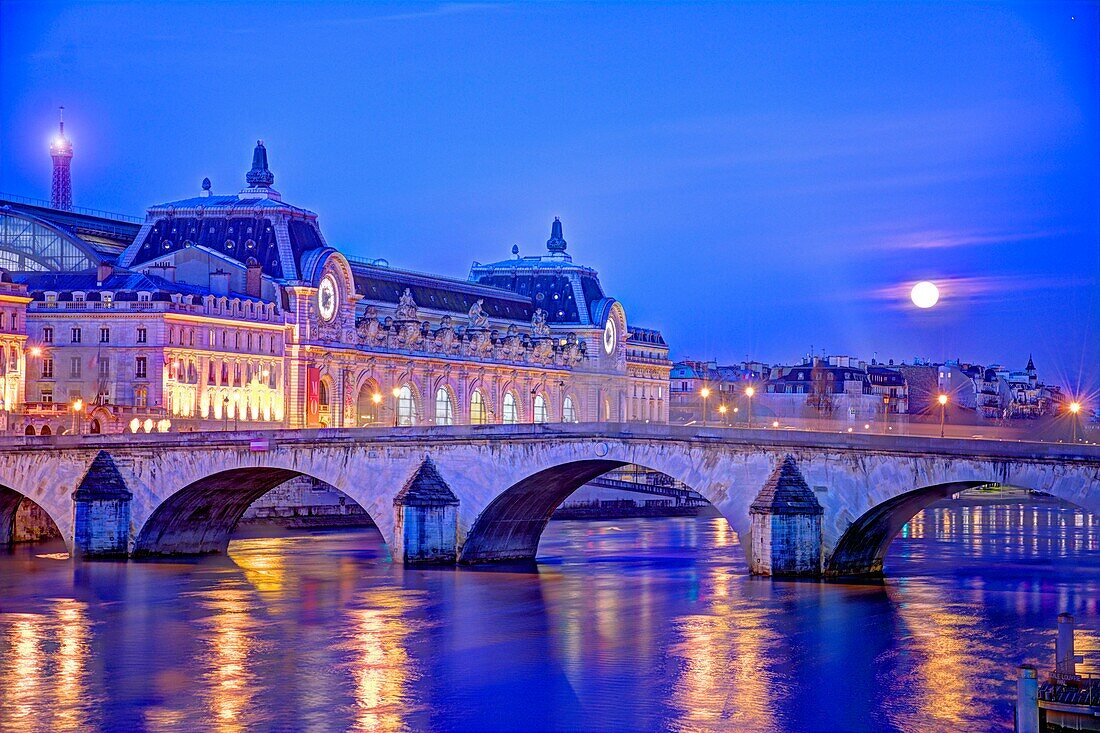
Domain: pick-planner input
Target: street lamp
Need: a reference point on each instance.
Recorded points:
(396, 394)
(942, 399)
(885, 412)
(704, 392)
(376, 400)
(78, 405)
(1074, 408)
(722, 412)
(749, 392)
(225, 414)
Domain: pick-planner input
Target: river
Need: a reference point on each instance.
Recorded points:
(631, 625)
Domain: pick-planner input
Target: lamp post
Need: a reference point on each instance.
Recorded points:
(722, 412)
(704, 393)
(376, 400)
(1074, 408)
(225, 413)
(396, 395)
(78, 405)
(749, 392)
(942, 399)
(885, 413)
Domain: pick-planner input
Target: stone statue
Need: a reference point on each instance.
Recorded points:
(406, 307)
(478, 317)
(369, 330)
(539, 327)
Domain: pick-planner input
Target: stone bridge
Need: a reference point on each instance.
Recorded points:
(476, 494)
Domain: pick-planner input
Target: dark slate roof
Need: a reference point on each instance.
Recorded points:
(386, 284)
(646, 336)
(119, 281)
(786, 492)
(102, 481)
(240, 238)
(425, 488)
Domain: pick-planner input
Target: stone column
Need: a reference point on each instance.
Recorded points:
(102, 511)
(426, 521)
(786, 526)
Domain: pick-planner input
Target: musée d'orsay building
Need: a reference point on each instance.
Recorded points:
(232, 311)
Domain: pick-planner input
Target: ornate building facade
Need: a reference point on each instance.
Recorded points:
(233, 310)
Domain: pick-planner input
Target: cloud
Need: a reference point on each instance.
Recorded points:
(976, 289)
(948, 239)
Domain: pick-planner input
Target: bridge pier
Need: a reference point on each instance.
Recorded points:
(426, 519)
(101, 507)
(786, 527)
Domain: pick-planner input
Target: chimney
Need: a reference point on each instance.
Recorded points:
(219, 282)
(253, 278)
(102, 273)
(164, 270)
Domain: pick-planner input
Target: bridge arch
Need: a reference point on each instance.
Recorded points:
(510, 526)
(862, 547)
(199, 518)
(10, 503)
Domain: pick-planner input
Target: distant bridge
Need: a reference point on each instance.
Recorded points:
(488, 491)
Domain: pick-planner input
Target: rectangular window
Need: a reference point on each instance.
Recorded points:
(142, 336)
(103, 398)
(142, 367)
(2, 319)
(47, 335)
(74, 366)
(76, 337)
(14, 320)
(47, 394)
(104, 335)
(47, 368)
(104, 366)
(140, 397)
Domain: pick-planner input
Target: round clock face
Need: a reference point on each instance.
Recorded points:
(609, 337)
(327, 297)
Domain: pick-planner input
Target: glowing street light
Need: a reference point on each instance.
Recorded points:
(36, 351)
(1074, 408)
(942, 399)
(722, 412)
(704, 393)
(749, 392)
(376, 401)
(78, 405)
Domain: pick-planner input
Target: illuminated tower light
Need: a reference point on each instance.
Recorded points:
(61, 150)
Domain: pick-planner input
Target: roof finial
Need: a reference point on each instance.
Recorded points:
(206, 187)
(556, 243)
(260, 176)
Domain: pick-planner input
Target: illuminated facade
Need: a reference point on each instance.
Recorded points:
(233, 310)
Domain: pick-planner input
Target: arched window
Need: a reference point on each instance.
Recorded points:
(368, 406)
(406, 407)
(96, 428)
(478, 414)
(29, 430)
(322, 394)
(45, 430)
(444, 408)
(541, 414)
(568, 412)
(511, 414)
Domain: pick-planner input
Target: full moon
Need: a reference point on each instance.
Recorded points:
(925, 294)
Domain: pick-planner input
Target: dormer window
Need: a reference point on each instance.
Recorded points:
(144, 297)
(78, 297)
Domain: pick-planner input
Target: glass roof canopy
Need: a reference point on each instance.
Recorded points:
(28, 245)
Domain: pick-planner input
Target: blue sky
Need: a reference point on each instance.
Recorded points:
(754, 179)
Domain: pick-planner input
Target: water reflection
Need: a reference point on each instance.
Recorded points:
(44, 668)
(630, 625)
